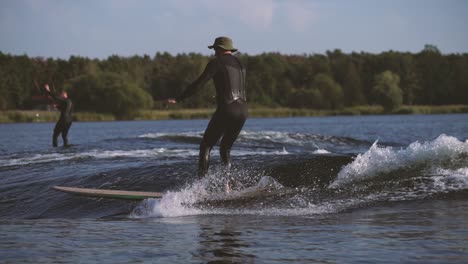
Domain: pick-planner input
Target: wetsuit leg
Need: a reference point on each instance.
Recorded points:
(236, 115)
(57, 131)
(212, 134)
(66, 127)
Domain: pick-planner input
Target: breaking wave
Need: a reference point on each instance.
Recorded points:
(443, 151)
(381, 174)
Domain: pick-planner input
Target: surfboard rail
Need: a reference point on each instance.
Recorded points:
(111, 194)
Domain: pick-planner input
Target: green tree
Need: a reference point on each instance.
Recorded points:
(108, 93)
(387, 91)
(409, 79)
(353, 86)
(307, 98)
(273, 79)
(436, 76)
(330, 90)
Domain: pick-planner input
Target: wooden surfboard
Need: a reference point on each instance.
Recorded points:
(111, 194)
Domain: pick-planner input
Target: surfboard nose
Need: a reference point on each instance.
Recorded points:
(111, 194)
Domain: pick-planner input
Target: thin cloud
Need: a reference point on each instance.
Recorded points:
(258, 14)
(299, 15)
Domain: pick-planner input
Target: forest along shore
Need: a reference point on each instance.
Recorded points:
(26, 116)
(337, 83)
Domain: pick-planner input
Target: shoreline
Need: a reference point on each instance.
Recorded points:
(30, 116)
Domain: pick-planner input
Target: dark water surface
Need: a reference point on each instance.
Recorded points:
(326, 190)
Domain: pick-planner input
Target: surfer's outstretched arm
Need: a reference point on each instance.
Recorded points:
(56, 98)
(207, 74)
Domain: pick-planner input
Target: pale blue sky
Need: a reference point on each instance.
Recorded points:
(100, 28)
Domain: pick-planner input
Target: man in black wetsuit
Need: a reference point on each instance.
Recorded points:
(65, 106)
(228, 75)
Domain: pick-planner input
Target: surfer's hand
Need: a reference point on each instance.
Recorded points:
(171, 101)
(46, 86)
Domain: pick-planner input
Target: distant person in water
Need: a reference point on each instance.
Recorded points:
(65, 106)
(228, 75)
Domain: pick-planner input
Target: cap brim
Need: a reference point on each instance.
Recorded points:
(213, 46)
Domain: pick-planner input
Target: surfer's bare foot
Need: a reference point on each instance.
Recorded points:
(228, 187)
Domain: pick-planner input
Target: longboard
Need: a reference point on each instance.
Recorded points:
(111, 194)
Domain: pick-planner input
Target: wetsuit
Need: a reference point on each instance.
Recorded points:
(228, 75)
(65, 106)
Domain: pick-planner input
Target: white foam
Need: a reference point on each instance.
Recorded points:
(180, 203)
(321, 151)
(386, 159)
(444, 180)
(257, 152)
(137, 153)
(99, 154)
(176, 203)
(140, 153)
(197, 134)
(276, 137)
(172, 204)
(271, 136)
(37, 158)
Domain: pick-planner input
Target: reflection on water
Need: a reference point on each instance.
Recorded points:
(421, 232)
(223, 242)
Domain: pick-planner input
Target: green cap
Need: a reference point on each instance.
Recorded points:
(224, 43)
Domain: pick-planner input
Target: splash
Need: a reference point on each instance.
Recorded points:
(446, 180)
(378, 160)
(321, 151)
(184, 201)
(172, 204)
(180, 203)
(187, 201)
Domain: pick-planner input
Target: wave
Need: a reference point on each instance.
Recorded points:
(313, 143)
(96, 154)
(299, 139)
(297, 184)
(380, 175)
(383, 160)
(267, 136)
(37, 158)
(113, 154)
(187, 137)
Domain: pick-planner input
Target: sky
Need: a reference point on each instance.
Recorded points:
(101, 28)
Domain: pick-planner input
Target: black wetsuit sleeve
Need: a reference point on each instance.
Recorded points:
(66, 105)
(57, 98)
(207, 74)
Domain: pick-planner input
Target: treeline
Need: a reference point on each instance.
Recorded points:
(122, 85)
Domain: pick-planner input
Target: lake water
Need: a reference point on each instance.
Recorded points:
(390, 189)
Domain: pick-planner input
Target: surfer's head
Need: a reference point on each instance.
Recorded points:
(222, 45)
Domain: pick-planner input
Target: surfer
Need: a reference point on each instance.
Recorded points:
(228, 74)
(65, 106)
